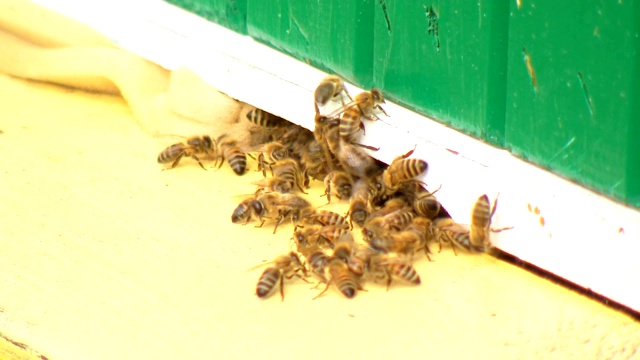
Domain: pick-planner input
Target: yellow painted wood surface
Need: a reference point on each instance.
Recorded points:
(104, 256)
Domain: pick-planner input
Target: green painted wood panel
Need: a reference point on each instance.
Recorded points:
(573, 91)
(446, 59)
(335, 36)
(228, 13)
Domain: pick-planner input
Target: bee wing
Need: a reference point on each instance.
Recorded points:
(456, 228)
(260, 265)
(335, 113)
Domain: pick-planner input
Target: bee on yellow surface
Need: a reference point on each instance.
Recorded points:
(289, 170)
(284, 266)
(270, 153)
(387, 267)
(329, 218)
(338, 182)
(338, 274)
(230, 151)
(359, 205)
(261, 206)
(194, 146)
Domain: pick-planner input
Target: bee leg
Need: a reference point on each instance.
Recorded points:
(176, 161)
(381, 109)
(501, 229)
(366, 146)
(279, 220)
(323, 291)
(427, 251)
(261, 223)
(282, 287)
(388, 279)
(453, 246)
(194, 157)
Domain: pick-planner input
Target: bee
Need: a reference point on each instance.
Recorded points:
(194, 146)
(329, 88)
(423, 228)
(264, 119)
(329, 218)
(395, 220)
(340, 182)
(313, 160)
(317, 260)
(269, 154)
(291, 206)
(363, 105)
(326, 135)
(344, 248)
(384, 241)
(255, 207)
(274, 184)
(332, 234)
(456, 234)
(284, 266)
(337, 272)
(425, 204)
(289, 170)
(387, 267)
(231, 151)
(402, 170)
(481, 223)
(359, 206)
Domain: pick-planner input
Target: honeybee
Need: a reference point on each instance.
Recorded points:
(427, 205)
(289, 170)
(402, 170)
(326, 135)
(193, 146)
(363, 106)
(332, 234)
(329, 218)
(264, 119)
(274, 184)
(269, 154)
(329, 88)
(340, 182)
(381, 240)
(338, 273)
(456, 234)
(481, 223)
(291, 206)
(385, 266)
(313, 160)
(317, 260)
(395, 220)
(284, 266)
(231, 151)
(423, 228)
(344, 248)
(359, 206)
(260, 207)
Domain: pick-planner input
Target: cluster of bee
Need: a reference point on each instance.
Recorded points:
(398, 218)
